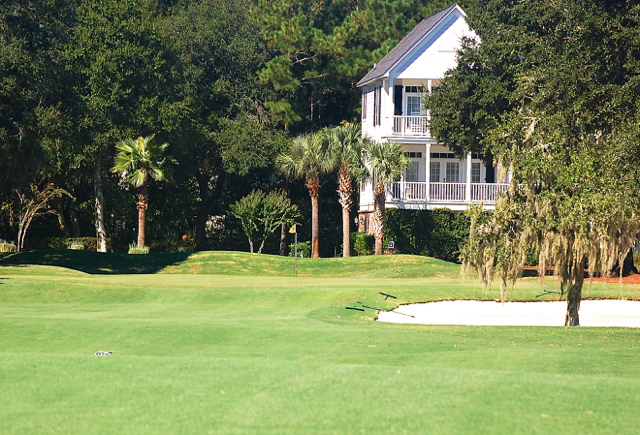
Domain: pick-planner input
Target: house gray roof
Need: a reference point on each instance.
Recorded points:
(405, 45)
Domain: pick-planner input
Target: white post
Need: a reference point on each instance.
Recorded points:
(427, 172)
(389, 106)
(428, 132)
(468, 187)
(387, 102)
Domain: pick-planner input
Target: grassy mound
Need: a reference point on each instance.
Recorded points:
(69, 262)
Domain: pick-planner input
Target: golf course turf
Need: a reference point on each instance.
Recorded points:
(231, 343)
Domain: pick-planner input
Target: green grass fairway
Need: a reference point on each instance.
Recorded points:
(256, 351)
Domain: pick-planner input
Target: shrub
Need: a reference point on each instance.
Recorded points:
(261, 214)
(7, 246)
(135, 249)
(438, 233)
(174, 244)
(304, 249)
(76, 245)
(364, 244)
(88, 243)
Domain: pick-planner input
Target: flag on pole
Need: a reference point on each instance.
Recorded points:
(293, 229)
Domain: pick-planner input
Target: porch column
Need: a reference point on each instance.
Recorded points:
(468, 187)
(402, 191)
(428, 113)
(427, 172)
(387, 102)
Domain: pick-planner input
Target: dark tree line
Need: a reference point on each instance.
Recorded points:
(226, 83)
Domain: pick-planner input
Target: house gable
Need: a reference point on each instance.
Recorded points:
(438, 34)
(436, 53)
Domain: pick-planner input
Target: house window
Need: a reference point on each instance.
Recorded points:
(453, 172)
(412, 172)
(413, 155)
(377, 105)
(443, 155)
(475, 172)
(364, 105)
(434, 169)
(414, 105)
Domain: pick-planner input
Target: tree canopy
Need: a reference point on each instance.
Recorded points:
(551, 90)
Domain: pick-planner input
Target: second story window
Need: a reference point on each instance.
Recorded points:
(377, 105)
(414, 106)
(414, 100)
(364, 105)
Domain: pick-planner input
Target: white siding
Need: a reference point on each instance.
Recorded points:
(386, 111)
(435, 55)
(367, 124)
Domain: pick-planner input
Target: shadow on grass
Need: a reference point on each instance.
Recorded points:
(94, 263)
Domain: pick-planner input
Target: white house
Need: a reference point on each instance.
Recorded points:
(392, 109)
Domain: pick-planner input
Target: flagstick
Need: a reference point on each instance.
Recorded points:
(295, 270)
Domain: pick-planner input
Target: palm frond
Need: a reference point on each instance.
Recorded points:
(137, 178)
(307, 156)
(386, 161)
(138, 159)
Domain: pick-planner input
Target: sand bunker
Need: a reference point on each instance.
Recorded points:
(592, 313)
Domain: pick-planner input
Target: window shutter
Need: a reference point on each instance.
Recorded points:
(397, 100)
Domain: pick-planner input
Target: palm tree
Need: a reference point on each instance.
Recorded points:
(386, 163)
(308, 157)
(346, 146)
(138, 160)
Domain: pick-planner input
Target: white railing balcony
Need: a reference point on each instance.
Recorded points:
(487, 193)
(409, 191)
(412, 191)
(410, 126)
(447, 192)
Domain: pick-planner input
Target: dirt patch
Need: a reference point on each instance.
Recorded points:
(633, 279)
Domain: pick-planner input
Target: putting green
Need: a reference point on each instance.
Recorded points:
(269, 355)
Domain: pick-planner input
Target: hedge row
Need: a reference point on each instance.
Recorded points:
(438, 233)
(89, 243)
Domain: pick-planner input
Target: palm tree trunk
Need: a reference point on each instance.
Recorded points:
(379, 200)
(143, 203)
(345, 189)
(315, 227)
(346, 241)
(101, 233)
(313, 185)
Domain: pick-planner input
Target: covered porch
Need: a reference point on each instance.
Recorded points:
(437, 178)
(467, 192)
